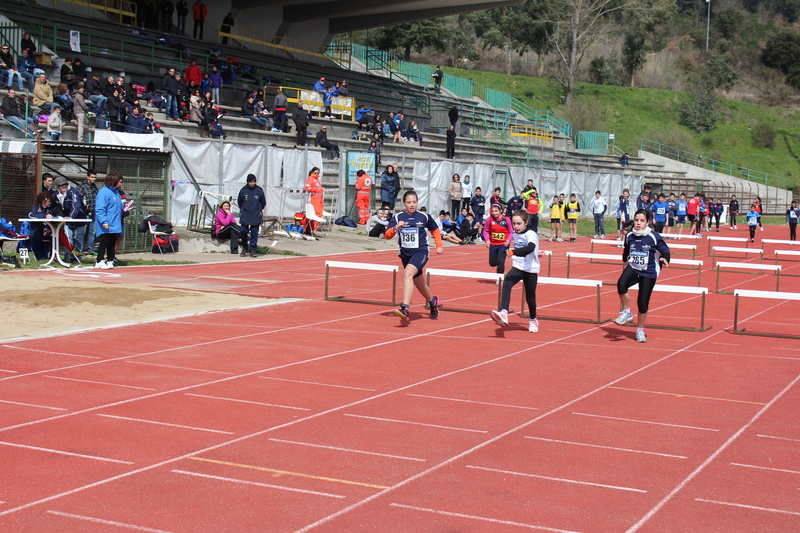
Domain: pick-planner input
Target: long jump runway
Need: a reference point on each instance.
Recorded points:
(316, 415)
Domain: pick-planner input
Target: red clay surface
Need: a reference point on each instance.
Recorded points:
(319, 415)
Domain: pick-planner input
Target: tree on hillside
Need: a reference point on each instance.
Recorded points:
(411, 35)
(701, 113)
(460, 40)
(783, 53)
(579, 25)
(728, 22)
(634, 53)
(720, 72)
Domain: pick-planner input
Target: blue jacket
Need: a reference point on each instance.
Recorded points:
(74, 206)
(136, 124)
(320, 87)
(643, 253)
(361, 112)
(251, 206)
(26, 64)
(327, 97)
(108, 210)
(388, 190)
(37, 230)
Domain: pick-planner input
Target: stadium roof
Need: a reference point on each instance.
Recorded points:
(355, 15)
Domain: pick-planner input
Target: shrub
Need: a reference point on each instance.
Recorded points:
(671, 135)
(602, 72)
(701, 113)
(764, 135)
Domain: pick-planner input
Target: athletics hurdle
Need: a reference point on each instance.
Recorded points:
(692, 247)
(748, 266)
(764, 242)
(691, 263)
(361, 266)
(571, 283)
(726, 239)
(788, 253)
(745, 251)
(680, 289)
(606, 242)
(491, 276)
(761, 294)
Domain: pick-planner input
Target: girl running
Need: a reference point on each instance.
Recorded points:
(410, 226)
(497, 234)
(760, 210)
(524, 249)
(753, 219)
(645, 254)
(792, 214)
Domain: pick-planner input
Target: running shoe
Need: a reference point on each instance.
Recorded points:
(533, 325)
(559, 239)
(762, 228)
(640, 336)
(624, 317)
(500, 317)
(602, 236)
(596, 237)
(102, 265)
(110, 264)
(434, 308)
(402, 312)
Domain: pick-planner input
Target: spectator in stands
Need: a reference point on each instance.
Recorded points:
(455, 190)
(211, 122)
(376, 225)
(196, 113)
(388, 188)
(14, 110)
(55, 124)
(65, 100)
(181, 97)
(453, 115)
(80, 109)
(88, 192)
(343, 90)
(9, 68)
(279, 107)
(250, 111)
(79, 69)
(26, 66)
(152, 125)
(398, 183)
(450, 143)
(181, 11)
(205, 85)
(194, 99)
(94, 90)
(194, 74)
(109, 86)
(413, 132)
(40, 236)
(320, 86)
(166, 8)
(135, 123)
(215, 81)
(327, 100)
(27, 44)
(623, 161)
(200, 12)
(67, 75)
(322, 140)
(47, 182)
(122, 90)
(362, 116)
(251, 203)
(226, 27)
(225, 226)
(375, 148)
(169, 86)
(437, 78)
(301, 120)
(116, 112)
(43, 94)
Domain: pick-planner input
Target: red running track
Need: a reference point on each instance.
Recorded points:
(330, 416)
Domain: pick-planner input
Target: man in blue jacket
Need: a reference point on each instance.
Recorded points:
(252, 202)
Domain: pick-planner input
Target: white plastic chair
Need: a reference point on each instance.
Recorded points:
(155, 233)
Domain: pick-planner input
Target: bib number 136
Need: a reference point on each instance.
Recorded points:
(409, 238)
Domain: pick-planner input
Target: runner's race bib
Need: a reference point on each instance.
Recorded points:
(498, 236)
(792, 214)
(753, 221)
(638, 260)
(409, 238)
(661, 211)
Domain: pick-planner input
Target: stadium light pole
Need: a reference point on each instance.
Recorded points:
(708, 21)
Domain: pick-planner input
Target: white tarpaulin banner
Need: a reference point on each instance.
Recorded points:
(133, 140)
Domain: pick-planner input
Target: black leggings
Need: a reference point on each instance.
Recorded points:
(792, 231)
(376, 230)
(106, 246)
(732, 217)
(753, 232)
(232, 232)
(497, 258)
(628, 279)
(530, 279)
(455, 208)
(716, 219)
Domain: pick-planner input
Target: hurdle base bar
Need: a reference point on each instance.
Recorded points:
(599, 320)
(742, 331)
(757, 272)
(470, 275)
(671, 288)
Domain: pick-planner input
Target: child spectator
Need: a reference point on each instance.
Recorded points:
(599, 210)
(555, 220)
(660, 212)
(792, 214)
(54, 124)
(753, 218)
(573, 209)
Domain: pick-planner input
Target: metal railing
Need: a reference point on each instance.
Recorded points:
(126, 12)
(712, 164)
(11, 35)
(592, 142)
(497, 99)
(508, 147)
(278, 46)
(534, 136)
(546, 118)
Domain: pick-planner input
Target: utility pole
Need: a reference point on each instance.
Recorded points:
(708, 21)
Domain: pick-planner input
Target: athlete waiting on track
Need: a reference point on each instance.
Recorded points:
(410, 225)
(645, 252)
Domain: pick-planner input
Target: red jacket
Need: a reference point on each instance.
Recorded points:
(200, 12)
(194, 73)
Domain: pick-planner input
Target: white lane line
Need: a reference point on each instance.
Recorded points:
(314, 383)
(473, 401)
(257, 484)
(608, 447)
(34, 405)
(575, 481)
(348, 450)
(645, 422)
(768, 468)
(99, 383)
(165, 424)
(768, 509)
(248, 401)
(107, 522)
(179, 367)
(416, 423)
(482, 518)
(777, 438)
(49, 352)
(60, 452)
(711, 458)
(9, 371)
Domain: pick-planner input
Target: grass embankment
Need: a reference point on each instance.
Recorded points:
(632, 114)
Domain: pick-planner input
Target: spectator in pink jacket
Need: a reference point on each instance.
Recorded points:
(225, 226)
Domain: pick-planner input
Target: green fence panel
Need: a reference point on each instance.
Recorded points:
(498, 99)
(459, 86)
(420, 74)
(592, 142)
